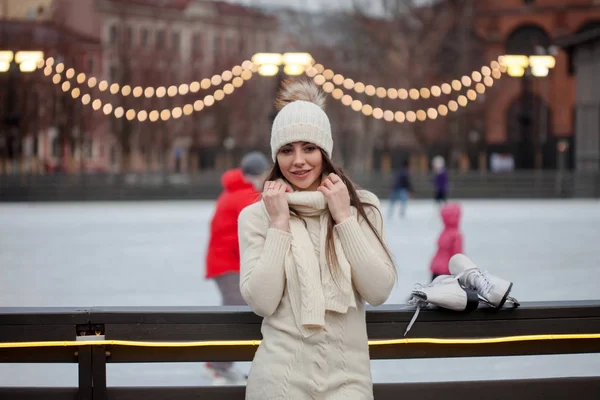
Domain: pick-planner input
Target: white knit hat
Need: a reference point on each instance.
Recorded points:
(301, 117)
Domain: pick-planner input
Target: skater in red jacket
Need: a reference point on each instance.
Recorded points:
(449, 242)
(241, 187)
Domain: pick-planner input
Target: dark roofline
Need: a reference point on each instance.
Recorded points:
(578, 39)
(31, 25)
(570, 43)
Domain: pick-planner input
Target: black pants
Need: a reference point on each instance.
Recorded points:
(440, 196)
(229, 286)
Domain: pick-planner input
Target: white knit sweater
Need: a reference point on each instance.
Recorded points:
(333, 363)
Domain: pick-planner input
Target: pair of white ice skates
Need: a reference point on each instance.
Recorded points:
(463, 290)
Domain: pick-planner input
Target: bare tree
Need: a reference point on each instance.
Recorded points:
(424, 43)
(390, 44)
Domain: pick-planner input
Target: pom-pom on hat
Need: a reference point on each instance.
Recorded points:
(301, 117)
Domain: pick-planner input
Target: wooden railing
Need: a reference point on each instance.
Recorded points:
(191, 324)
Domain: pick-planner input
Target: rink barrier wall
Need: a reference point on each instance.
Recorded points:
(206, 186)
(192, 324)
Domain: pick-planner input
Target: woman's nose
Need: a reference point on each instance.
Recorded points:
(298, 158)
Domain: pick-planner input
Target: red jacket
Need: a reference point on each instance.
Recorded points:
(223, 255)
(450, 241)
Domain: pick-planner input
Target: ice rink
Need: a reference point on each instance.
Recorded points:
(152, 254)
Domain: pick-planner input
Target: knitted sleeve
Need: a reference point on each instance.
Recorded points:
(262, 255)
(373, 273)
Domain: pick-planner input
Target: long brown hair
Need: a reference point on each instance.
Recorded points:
(330, 253)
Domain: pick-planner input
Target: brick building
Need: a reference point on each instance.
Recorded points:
(149, 43)
(154, 43)
(529, 117)
(40, 124)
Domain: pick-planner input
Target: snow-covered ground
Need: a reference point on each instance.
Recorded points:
(152, 253)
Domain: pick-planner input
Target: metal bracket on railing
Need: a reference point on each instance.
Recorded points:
(93, 330)
(92, 362)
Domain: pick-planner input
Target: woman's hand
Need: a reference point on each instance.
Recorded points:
(337, 196)
(276, 204)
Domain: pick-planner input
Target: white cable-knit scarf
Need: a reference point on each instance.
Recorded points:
(311, 288)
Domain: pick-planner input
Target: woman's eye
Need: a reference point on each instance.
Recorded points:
(310, 148)
(286, 151)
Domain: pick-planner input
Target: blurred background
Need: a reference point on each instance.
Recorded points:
(109, 100)
(541, 117)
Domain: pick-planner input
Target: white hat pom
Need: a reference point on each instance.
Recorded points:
(301, 117)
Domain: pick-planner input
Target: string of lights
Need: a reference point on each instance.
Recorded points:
(476, 84)
(234, 81)
(485, 75)
(402, 116)
(57, 70)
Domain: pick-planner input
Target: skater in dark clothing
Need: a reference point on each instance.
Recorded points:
(401, 190)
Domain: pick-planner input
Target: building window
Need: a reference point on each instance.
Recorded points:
(113, 155)
(216, 46)
(231, 45)
(144, 38)
(128, 35)
(88, 149)
(160, 39)
(89, 67)
(197, 43)
(55, 147)
(249, 42)
(112, 35)
(176, 41)
(112, 75)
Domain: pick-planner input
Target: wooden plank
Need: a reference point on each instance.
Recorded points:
(37, 333)
(424, 328)
(120, 354)
(47, 393)
(186, 332)
(85, 372)
(99, 373)
(528, 310)
(385, 313)
(175, 315)
(484, 328)
(39, 355)
(43, 316)
(586, 388)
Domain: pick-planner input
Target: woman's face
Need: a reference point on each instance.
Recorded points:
(301, 164)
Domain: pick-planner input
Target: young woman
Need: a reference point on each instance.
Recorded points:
(312, 252)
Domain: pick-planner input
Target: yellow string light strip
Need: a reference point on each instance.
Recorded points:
(132, 343)
(153, 115)
(494, 71)
(400, 116)
(50, 68)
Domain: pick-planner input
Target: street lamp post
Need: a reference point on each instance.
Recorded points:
(526, 67)
(268, 64)
(11, 63)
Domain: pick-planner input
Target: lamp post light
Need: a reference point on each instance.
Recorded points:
(525, 67)
(11, 63)
(294, 64)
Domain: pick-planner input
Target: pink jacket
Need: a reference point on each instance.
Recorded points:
(450, 241)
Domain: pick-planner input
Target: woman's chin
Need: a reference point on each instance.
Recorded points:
(304, 184)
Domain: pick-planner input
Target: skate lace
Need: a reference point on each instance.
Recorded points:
(478, 280)
(420, 303)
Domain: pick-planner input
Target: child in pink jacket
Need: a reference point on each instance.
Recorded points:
(450, 241)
